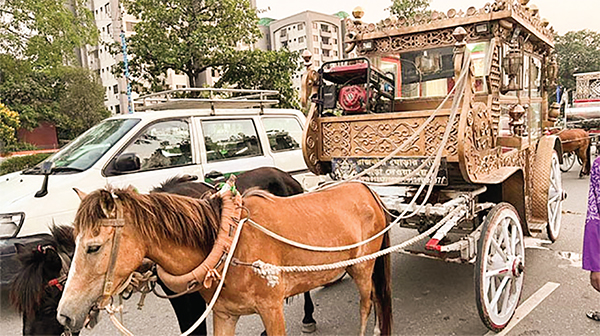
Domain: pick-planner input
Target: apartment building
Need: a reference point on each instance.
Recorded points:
(319, 33)
(111, 19)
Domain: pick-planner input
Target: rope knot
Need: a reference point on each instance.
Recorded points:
(267, 271)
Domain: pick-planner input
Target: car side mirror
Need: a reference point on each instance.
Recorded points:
(127, 162)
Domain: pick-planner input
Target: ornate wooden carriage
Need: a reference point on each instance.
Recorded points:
(474, 82)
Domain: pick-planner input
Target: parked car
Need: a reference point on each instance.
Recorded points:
(144, 149)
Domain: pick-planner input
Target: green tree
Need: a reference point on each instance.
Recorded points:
(409, 8)
(70, 97)
(9, 123)
(577, 52)
(188, 36)
(45, 32)
(267, 70)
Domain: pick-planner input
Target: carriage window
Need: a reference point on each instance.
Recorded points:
(283, 133)
(535, 120)
(227, 139)
(430, 73)
(163, 145)
(536, 77)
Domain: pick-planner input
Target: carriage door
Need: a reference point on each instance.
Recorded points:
(163, 149)
(231, 146)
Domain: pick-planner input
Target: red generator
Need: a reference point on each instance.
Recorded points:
(352, 86)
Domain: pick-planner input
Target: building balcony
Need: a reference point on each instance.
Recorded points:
(326, 33)
(326, 46)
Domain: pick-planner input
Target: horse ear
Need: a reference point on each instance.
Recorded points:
(20, 248)
(80, 193)
(107, 204)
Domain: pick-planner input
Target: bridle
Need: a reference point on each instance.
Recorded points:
(117, 223)
(58, 282)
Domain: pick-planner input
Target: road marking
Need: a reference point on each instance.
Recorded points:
(526, 307)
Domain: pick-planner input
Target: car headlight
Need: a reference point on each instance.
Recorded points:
(10, 223)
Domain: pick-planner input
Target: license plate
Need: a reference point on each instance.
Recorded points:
(390, 171)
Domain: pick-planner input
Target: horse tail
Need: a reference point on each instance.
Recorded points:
(383, 289)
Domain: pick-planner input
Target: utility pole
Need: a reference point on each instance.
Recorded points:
(126, 66)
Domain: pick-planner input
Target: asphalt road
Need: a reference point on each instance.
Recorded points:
(430, 297)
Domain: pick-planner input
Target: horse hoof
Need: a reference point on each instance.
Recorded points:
(309, 328)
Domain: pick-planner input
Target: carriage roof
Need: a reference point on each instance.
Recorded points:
(509, 15)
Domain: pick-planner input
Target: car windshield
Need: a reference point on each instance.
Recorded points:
(89, 147)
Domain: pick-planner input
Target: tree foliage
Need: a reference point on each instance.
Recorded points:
(577, 52)
(70, 97)
(45, 32)
(409, 8)
(267, 70)
(9, 123)
(187, 36)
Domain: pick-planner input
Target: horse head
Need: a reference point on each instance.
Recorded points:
(37, 288)
(107, 251)
(115, 230)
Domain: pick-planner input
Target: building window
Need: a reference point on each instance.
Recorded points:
(300, 26)
(335, 53)
(316, 51)
(315, 26)
(335, 29)
(107, 8)
(283, 33)
(301, 39)
(101, 9)
(317, 63)
(315, 38)
(326, 52)
(325, 28)
(284, 44)
(108, 29)
(334, 41)
(325, 40)
(116, 89)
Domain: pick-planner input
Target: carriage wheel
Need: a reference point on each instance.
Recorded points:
(579, 160)
(568, 162)
(499, 266)
(555, 199)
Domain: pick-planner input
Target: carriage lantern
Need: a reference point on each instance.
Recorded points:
(513, 65)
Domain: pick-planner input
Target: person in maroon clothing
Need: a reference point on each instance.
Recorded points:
(591, 236)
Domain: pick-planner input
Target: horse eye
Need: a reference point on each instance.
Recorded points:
(93, 249)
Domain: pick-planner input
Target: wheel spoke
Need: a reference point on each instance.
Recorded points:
(499, 290)
(506, 235)
(507, 293)
(504, 271)
(513, 241)
(496, 246)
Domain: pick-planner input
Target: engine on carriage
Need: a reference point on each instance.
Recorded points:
(444, 115)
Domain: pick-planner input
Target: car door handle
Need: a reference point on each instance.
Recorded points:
(214, 175)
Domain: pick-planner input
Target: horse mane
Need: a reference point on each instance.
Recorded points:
(157, 216)
(39, 266)
(185, 185)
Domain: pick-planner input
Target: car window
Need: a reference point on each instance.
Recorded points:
(230, 139)
(89, 147)
(283, 133)
(162, 145)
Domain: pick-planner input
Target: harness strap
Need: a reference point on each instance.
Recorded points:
(57, 282)
(117, 224)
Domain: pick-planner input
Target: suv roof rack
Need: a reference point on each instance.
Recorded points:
(188, 98)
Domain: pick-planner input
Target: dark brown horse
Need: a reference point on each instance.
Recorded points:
(178, 233)
(577, 141)
(37, 287)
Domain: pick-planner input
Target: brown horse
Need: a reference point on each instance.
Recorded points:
(178, 233)
(578, 141)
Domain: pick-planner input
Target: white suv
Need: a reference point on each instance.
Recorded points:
(204, 137)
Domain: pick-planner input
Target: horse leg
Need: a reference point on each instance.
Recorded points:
(309, 325)
(273, 319)
(224, 324)
(361, 273)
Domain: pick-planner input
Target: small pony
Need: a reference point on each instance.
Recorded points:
(37, 288)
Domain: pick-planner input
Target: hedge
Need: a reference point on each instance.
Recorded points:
(21, 162)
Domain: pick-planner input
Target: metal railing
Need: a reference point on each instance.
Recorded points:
(189, 98)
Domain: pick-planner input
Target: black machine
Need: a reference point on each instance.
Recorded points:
(352, 86)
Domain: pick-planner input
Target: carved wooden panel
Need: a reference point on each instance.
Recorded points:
(378, 138)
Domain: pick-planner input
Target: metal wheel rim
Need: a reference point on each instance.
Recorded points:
(555, 198)
(568, 162)
(501, 284)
